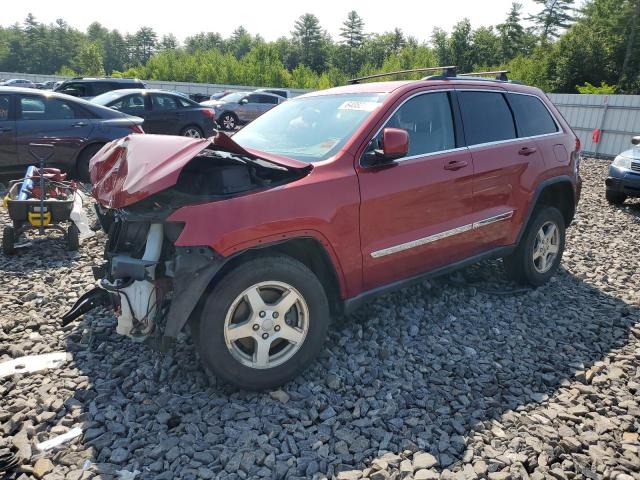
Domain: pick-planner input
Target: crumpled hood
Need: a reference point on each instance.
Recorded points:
(132, 168)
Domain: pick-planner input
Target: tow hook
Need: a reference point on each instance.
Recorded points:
(88, 301)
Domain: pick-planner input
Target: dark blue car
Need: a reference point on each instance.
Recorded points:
(624, 175)
(77, 128)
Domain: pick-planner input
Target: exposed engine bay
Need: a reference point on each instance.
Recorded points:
(152, 285)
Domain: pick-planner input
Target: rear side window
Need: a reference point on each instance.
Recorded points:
(5, 102)
(163, 102)
(76, 89)
(532, 117)
(486, 117)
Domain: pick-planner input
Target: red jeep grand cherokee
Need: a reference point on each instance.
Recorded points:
(321, 203)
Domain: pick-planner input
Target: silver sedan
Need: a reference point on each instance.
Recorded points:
(240, 108)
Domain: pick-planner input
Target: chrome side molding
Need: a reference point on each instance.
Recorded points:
(442, 235)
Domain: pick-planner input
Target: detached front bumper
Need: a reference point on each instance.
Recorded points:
(152, 285)
(623, 181)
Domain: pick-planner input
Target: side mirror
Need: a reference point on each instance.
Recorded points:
(635, 140)
(395, 145)
(243, 101)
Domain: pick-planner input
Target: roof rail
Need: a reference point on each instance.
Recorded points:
(448, 71)
(499, 74)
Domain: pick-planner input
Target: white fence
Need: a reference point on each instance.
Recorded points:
(616, 116)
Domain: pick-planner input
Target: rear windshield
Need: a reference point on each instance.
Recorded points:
(310, 129)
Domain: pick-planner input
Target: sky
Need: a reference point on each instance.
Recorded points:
(271, 19)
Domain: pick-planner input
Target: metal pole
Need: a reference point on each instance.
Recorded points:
(604, 114)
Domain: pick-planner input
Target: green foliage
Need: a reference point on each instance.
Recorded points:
(593, 89)
(597, 45)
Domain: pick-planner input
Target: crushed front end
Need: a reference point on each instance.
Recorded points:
(152, 284)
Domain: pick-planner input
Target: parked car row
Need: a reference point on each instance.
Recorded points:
(239, 108)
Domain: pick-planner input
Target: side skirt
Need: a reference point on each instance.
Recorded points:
(352, 304)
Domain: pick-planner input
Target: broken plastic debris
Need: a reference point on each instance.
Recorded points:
(32, 363)
(127, 475)
(60, 439)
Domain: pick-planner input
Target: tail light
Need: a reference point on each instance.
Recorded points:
(208, 112)
(136, 129)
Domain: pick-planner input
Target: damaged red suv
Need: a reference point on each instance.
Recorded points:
(331, 198)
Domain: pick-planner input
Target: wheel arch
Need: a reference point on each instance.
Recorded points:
(81, 152)
(307, 250)
(558, 192)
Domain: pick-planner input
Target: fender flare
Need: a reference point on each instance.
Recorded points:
(536, 196)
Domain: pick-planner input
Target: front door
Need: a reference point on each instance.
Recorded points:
(8, 149)
(412, 212)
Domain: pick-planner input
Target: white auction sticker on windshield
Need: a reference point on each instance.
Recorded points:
(362, 106)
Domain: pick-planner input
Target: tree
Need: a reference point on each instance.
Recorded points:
(511, 33)
(310, 39)
(90, 60)
(168, 42)
(555, 15)
(352, 34)
(441, 46)
(460, 45)
(240, 42)
(486, 48)
(204, 41)
(142, 45)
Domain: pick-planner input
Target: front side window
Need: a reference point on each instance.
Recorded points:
(39, 108)
(532, 117)
(76, 89)
(428, 120)
(312, 128)
(486, 117)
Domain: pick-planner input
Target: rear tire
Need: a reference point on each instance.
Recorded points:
(251, 341)
(228, 121)
(192, 131)
(8, 240)
(537, 257)
(615, 198)
(82, 164)
(73, 238)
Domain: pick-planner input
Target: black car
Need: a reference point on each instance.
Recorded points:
(163, 112)
(92, 87)
(77, 128)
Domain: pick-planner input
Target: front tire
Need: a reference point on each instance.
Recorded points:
(263, 323)
(615, 198)
(537, 257)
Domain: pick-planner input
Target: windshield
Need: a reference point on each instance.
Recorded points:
(310, 129)
(233, 97)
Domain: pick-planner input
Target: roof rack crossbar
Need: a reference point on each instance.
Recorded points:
(499, 74)
(448, 71)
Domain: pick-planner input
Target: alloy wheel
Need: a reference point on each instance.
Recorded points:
(546, 247)
(228, 122)
(192, 132)
(266, 324)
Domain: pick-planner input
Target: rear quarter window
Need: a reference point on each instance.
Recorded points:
(532, 117)
(486, 117)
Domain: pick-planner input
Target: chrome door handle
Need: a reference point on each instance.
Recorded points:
(80, 124)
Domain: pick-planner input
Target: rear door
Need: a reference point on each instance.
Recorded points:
(504, 164)
(412, 212)
(266, 103)
(43, 119)
(164, 116)
(249, 107)
(8, 148)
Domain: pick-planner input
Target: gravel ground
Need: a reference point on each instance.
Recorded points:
(462, 377)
